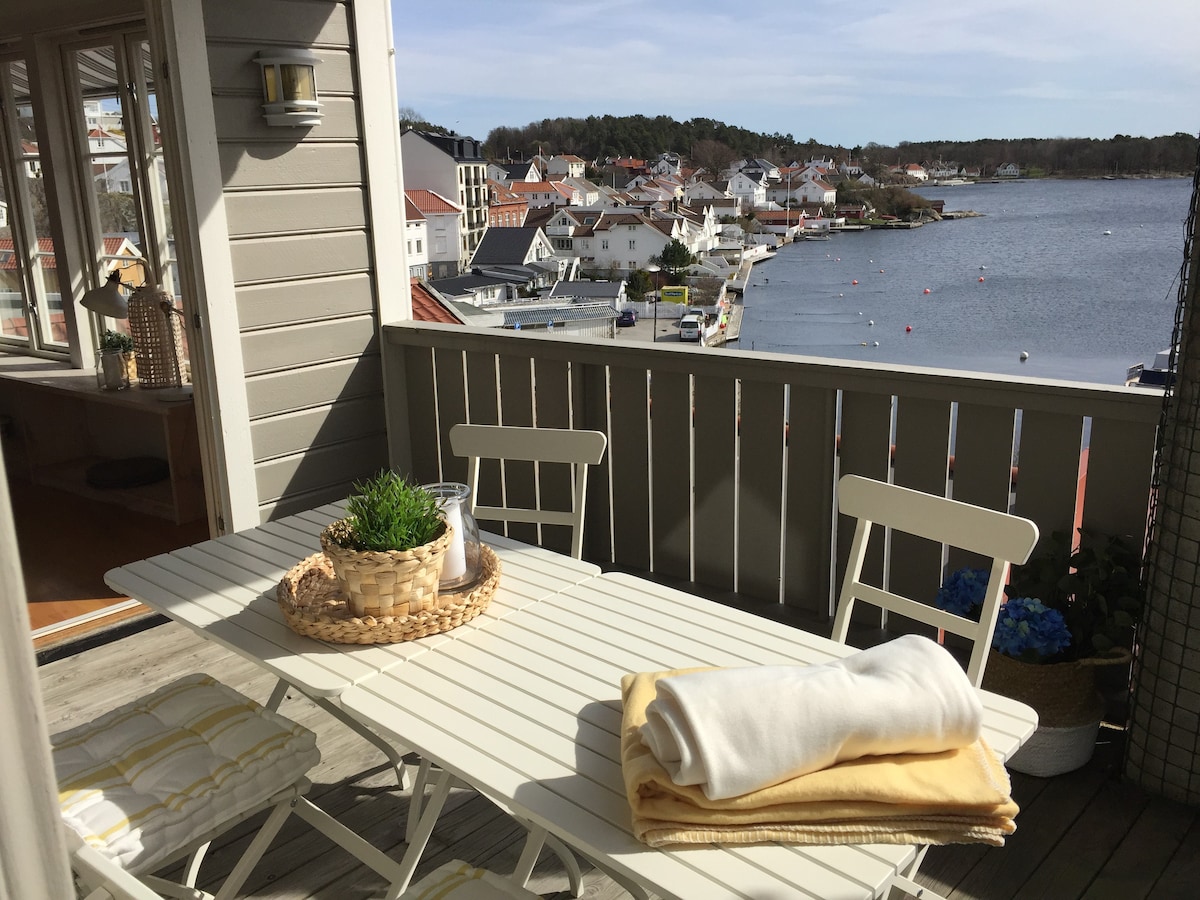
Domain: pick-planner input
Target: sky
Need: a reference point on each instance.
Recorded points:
(845, 74)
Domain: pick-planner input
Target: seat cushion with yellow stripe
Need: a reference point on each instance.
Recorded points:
(457, 880)
(147, 779)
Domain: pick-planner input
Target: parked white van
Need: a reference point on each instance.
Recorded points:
(691, 328)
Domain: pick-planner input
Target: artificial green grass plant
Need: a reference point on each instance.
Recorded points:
(388, 513)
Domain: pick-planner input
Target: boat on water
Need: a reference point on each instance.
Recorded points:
(1157, 374)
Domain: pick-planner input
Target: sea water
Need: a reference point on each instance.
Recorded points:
(1081, 275)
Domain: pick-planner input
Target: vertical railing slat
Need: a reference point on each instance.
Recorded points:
(922, 458)
(670, 467)
(808, 535)
(631, 484)
(864, 448)
(983, 454)
(412, 418)
(760, 486)
(1048, 471)
(451, 397)
(715, 491)
(508, 401)
(550, 396)
(1119, 470)
(589, 409)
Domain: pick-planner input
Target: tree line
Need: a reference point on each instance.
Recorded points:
(713, 144)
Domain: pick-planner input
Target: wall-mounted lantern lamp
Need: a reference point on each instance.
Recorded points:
(290, 87)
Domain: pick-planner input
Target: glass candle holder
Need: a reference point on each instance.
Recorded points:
(460, 570)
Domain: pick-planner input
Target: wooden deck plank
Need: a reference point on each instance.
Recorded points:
(1131, 872)
(1182, 872)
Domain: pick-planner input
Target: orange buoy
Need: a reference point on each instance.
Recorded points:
(927, 290)
(854, 282)
(908, 328)
(981, 278)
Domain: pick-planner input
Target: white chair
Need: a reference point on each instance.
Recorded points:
(1005, 538)
(579, 449)
(157, 779)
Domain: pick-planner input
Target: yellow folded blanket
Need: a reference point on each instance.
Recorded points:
(959, 796)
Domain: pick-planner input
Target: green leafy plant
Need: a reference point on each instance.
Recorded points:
(388, 513)
(1097, 588)
(116, 340)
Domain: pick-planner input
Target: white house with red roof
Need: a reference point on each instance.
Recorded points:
(542, 193)
(416, 239)
(444, 242)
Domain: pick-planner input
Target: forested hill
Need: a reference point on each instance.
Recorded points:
(712, 144)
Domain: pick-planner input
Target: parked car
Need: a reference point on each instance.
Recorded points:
(691, 329)
(626, 318)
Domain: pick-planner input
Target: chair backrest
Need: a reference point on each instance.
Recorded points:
(552, 445)
(1005, 538)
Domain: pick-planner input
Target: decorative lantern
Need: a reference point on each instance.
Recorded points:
(157, 337)
(463, 561)
(290, 87)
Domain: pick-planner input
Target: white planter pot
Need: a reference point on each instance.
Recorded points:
(1054, 751)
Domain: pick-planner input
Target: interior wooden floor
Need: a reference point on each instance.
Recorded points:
(1085, 834)
(67, 543)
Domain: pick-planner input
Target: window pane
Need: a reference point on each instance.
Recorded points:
(29, 290)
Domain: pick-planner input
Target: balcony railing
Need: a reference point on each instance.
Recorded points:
(722, 465)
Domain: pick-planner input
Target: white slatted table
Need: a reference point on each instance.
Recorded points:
(224, 589)
(528, 711)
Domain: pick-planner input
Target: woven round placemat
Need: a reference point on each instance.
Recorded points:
(314, 605)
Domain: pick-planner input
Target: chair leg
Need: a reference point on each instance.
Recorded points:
(394, 756)
(233, 883)
(906, 883)
(538, 838)
(192, 870)
(417, 799)
(431, 809)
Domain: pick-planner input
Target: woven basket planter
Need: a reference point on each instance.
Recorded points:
(1068, 705)
(389, 582)
(314, 605)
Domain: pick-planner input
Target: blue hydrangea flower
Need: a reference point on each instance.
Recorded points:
(962, 592)
(1029, 630)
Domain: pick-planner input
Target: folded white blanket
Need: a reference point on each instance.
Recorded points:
(732, 731)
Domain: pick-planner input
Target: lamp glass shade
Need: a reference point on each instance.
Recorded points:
(107, 300)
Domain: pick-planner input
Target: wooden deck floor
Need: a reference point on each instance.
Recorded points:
(1085, 834)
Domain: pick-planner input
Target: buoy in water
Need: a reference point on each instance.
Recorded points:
(1024, 355)
(927, 291)
(875, 343)
(981, 278)
(881, 271)
(907, 328)
(854, 282)
(870, 321)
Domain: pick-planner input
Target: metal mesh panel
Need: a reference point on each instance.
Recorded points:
(1164, 734)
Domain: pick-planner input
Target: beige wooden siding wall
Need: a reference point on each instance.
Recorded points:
(296, 205)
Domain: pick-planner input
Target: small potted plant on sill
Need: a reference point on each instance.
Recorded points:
(116, 366)
(388, 550)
